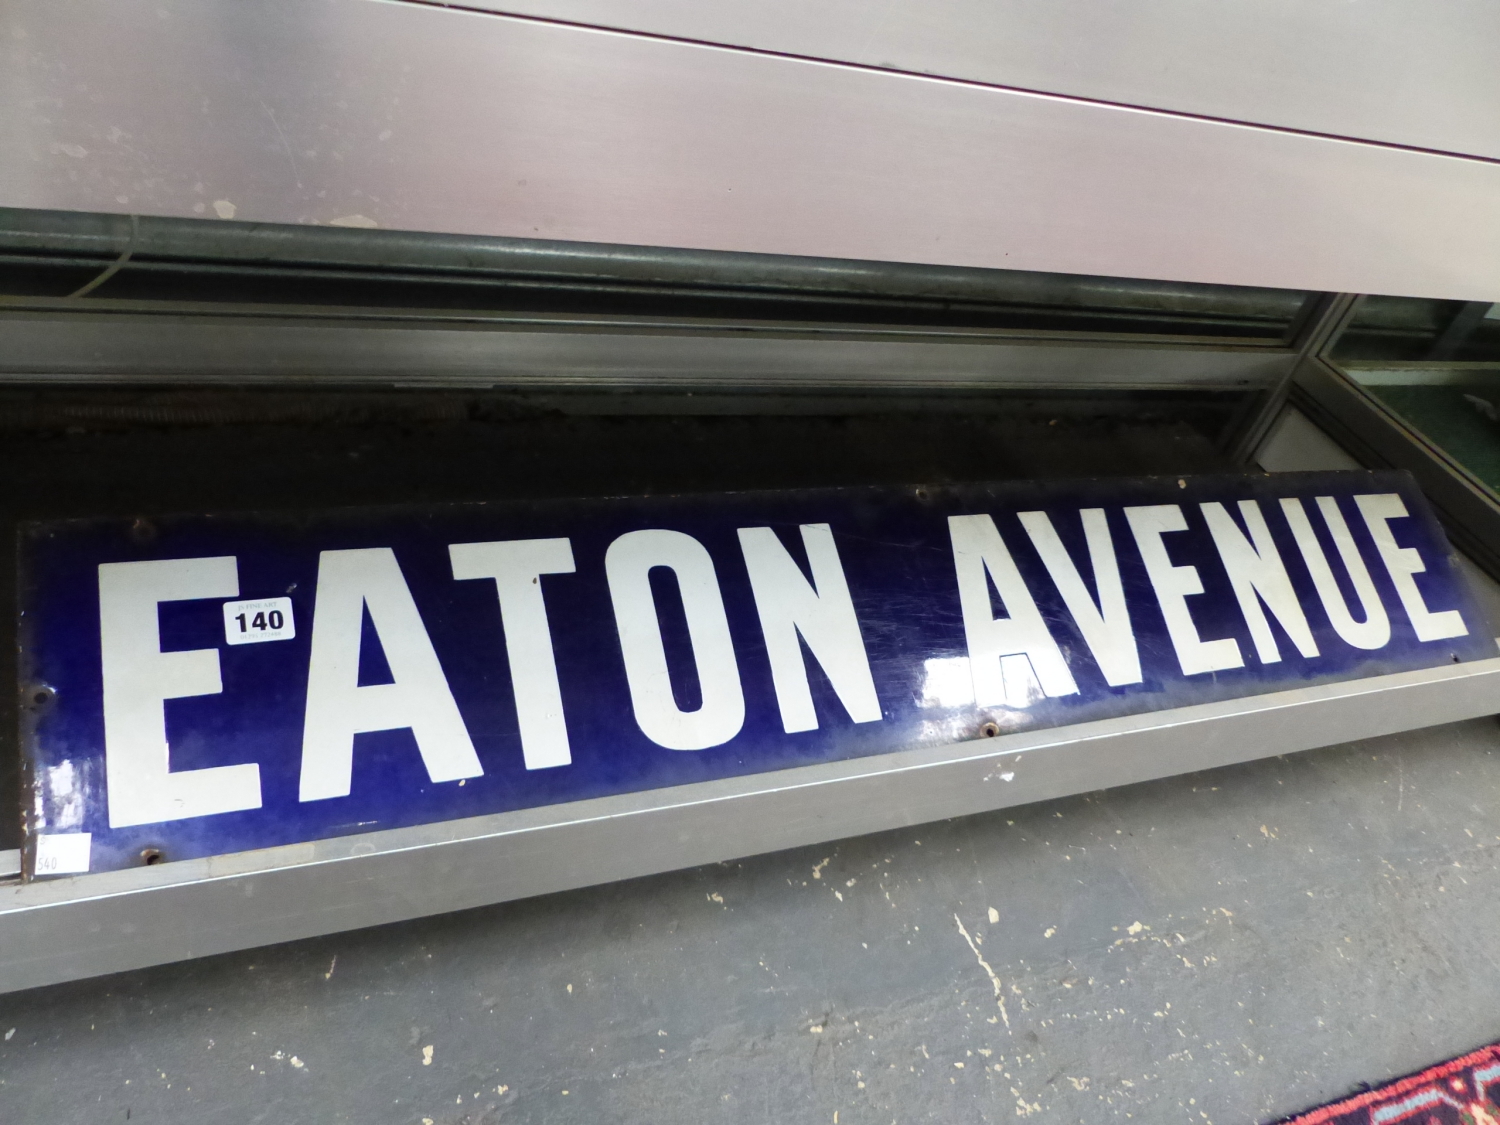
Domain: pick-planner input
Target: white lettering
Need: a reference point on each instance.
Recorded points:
(1106, 626)
(979, 556)
(1375, 630)
(1258, 575)
(1402, 563)
(338, 708)
(1174, 585)
(516, 567)
(821, 611)
(628, 564)
(138, 678)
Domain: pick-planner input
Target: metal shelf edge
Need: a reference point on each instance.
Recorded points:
(91, 925)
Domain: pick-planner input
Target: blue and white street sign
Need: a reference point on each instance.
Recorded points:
(196, 685)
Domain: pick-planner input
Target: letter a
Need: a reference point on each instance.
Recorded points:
(979, 555)
(338, 708)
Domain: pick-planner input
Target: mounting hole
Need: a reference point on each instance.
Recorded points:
(921, 495)
(989, 730)
(151, 856)
(42, 696)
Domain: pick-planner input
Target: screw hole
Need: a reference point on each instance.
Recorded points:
(41, 697)
(989, 730)
(151, 857)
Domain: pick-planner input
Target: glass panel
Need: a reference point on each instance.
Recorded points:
(1455, 406)
(1410, 329)
(1436, 364)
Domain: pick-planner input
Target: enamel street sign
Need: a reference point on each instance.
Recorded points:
(197, 685)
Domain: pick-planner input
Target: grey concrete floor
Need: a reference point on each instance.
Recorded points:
(1222, 947)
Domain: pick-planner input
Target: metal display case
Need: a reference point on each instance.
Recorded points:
(157, 366)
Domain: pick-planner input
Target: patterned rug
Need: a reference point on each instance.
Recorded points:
(1462, 1091)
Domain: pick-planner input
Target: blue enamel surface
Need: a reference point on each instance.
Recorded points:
(896, 554)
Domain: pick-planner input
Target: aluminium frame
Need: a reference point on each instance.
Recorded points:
(89, 925)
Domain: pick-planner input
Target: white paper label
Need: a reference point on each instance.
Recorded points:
(63, 853)
(248, 623)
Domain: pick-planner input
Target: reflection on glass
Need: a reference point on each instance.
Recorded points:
(1456, 407)
(1436, 364)
(1416, 330)
(63, 792)
(48, 254)
(1022, 688)
(947, 682)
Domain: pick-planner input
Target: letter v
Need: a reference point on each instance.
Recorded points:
(1106, 626)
